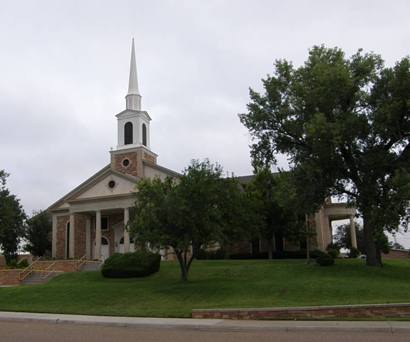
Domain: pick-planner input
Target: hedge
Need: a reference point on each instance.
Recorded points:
(129, 265)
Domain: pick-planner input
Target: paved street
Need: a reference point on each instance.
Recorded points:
(50, 332)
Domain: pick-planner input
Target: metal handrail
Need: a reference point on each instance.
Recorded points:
(28, 270)
(81, 261)
(44, 276)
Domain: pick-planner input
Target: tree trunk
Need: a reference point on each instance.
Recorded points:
(372, 258)
(182, 265)
(279, 244)
(307, 239)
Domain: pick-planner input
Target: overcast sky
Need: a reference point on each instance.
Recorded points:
(64, 72)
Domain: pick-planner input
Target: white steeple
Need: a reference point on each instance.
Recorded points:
(133, 98)
(133, 123)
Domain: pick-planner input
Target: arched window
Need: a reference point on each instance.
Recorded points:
(128, 133)
(144, 134)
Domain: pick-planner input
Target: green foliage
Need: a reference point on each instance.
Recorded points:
(196, 211)
(22, 263)
(38, 234)
(333, 250)
(271, 219)
(343, 237)
(325, 260)
(11, 220)
(354, 253)
(129, 265)
(218, 254)
(14, 264)
(344, 125)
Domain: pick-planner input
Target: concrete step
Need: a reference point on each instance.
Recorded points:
(38, 278)
(91, 266)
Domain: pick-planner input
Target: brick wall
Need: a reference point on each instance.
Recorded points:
(375, 311)
(132, 168)
(9, 277)
(80, 240)
(59, 265)
(61, 236)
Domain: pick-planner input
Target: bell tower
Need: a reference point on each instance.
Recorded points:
(133, 130)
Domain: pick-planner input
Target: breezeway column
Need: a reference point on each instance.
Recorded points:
(353, 232)
(98, 235)
(88, 238)
(54, 237)
(126, 232)
(71, 246)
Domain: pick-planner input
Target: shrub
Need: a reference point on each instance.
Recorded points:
(23, 263)
(334, 253)
(325, 260)
(354, 253)
(218, 254)
(12, 263)
(333, 250)
(128, 265)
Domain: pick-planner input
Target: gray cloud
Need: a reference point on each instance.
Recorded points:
(64, 68)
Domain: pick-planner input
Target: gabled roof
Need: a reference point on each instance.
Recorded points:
(161, 168)
(88, 183)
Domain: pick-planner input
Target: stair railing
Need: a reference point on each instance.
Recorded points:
(81, 262)
(28, 270)
(48, 270)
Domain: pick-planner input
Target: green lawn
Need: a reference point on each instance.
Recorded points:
(215, 284)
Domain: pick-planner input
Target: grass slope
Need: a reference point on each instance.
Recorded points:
(215, 284)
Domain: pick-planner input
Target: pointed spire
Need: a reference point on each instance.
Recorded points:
(133, 83)
(133, 98)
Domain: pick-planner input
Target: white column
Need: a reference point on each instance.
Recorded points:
(88, 238)
(97, 235)
(353, 232)
(54, 237)
(126, 232)
(71, 246)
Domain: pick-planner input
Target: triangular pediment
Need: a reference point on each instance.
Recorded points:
(98, 185)
(112, 184)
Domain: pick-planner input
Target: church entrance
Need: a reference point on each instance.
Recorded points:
(105, 248)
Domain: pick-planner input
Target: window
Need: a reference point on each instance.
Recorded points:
(144, 134)
(125, 162)
(104, 223)
(122, 240)
(128, 133)
(104, 241)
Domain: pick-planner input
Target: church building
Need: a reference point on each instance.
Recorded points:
(90, 221)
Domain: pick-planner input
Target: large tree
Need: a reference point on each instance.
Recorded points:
(198, 210)
(11, 220)
(38, 234)
(344, 123)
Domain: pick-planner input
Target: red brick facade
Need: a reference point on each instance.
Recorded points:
(62, 236)
(376, 311)
(132, 168)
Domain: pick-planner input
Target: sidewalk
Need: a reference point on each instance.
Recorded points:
(208, 324)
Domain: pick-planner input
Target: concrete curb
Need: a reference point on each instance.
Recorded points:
(208, 324)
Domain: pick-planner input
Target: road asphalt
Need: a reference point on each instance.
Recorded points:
(15, 326)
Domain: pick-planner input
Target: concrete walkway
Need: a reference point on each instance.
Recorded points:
(209, 324)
